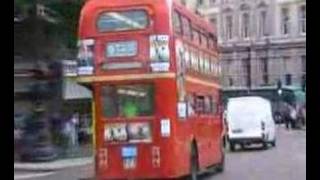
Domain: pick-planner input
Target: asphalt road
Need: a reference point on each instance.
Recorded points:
(287, 161)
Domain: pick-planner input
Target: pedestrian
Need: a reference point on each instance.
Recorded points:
(293, 117)
(70, 132)
(74, 121)
(287, 119)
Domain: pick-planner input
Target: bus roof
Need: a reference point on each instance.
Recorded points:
(196, 19)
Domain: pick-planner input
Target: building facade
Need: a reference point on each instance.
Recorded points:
(261, 41)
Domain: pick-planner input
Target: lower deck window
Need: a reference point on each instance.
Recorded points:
(127, 100)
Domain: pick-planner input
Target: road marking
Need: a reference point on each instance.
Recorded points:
(32, 175)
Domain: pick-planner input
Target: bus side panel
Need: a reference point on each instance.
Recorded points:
(207, 129)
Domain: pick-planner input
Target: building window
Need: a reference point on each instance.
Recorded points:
(288, 79)
(212, 2)
(265, 71)
(263, 23)
(224, 1)
(246, 71)
(230, 81)
(213, 21)
(303, 64)
(285, 20)
(200, 2)
(229, 27)
(302, 19)
(245, 25)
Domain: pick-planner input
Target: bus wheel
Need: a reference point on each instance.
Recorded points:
(194, 166)
(220, 167)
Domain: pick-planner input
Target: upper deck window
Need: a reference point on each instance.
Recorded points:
(177, 23)
(122, 21)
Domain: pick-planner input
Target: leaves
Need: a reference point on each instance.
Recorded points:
(39, 38)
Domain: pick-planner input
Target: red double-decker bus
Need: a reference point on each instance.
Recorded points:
(153, 68)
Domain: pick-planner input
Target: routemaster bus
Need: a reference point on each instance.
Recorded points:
(153, 67)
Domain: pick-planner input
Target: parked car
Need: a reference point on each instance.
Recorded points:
(250, 121)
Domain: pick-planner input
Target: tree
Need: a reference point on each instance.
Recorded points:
(45, 29)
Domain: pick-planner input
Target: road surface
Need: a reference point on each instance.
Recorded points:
(287, 161)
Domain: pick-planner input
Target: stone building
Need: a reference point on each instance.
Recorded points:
(261, 41)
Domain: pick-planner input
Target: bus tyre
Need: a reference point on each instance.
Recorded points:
(193, 164)
(273, 143)
(220, 167)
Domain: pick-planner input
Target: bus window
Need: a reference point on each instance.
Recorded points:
(207, 103)
(201, 63)
(207, 65)
(191, 31)
(207, 42)
(187, 57)
(127, 100)
(122, 21)
(177, 23)
(213, 105)
(196, 37)
(199, 37)
(200, 104)
(191, 105)
(186, 28)
(203, 40)
(197, 61)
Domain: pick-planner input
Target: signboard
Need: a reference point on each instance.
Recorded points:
(69, 68)
(182, 110)
(159, 48)
(160, 66)
(165, 127)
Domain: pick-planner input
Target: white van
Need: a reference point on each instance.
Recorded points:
(249, 120)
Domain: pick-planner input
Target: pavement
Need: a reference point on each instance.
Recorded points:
(53, 166)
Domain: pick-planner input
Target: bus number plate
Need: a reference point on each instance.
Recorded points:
(129, 152)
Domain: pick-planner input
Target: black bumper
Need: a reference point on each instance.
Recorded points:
(246, 140)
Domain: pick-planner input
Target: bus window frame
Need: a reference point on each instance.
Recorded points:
(148, 28)
(119, 118)
(178, 15)
(187, 28)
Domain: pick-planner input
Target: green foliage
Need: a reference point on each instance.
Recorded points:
(68, 14)
(40, 38)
